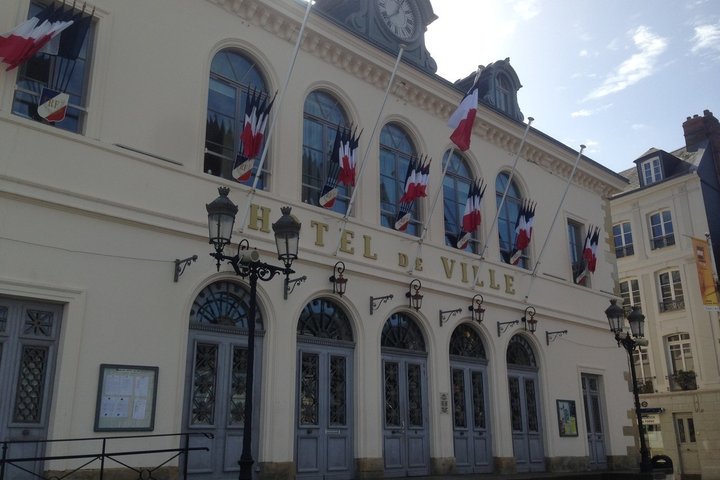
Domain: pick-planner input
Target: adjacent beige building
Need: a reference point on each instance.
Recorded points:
(109, 328)
(666, 231)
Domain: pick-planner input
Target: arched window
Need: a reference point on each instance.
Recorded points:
(321, 118)
(232, 74)
(401, 331)
(465, 342)
(456, 185)
(224, 307)
(507, 219)
(396, 149)
(322, 318)
(520, 352)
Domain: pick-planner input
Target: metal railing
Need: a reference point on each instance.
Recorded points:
(25, 466)
(671, 305)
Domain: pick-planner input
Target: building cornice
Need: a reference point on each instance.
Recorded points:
(430, 93)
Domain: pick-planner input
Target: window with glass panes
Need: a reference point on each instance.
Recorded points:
(322, 116)
(396, 149)
(630, 294)
(507, 218)
(641, 359)
(456, 185)
(680, 353)
(651, 171)
(661, 230)
(576, 243)
(622, 235)
(671, 291)
(63, 72)
(232, 75)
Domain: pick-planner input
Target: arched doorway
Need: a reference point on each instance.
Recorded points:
(471, 426)
(215, 379)
(324, 428)
(525, 406)
(405, 417)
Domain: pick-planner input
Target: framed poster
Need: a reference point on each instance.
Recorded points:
(567, 420)
(126, 398)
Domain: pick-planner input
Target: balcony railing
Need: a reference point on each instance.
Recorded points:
(98, 456)
(624, 251)
(682, 380)
(671, 305)
(646, 385)
(662, 242)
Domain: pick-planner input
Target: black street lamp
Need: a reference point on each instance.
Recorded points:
(630, 341)
(247, 264)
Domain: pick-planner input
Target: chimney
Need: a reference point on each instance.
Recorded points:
(698, 129)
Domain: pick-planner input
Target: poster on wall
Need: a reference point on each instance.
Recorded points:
(126, 398)
(567, 420)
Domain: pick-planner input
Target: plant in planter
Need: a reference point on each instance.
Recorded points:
(686, 379)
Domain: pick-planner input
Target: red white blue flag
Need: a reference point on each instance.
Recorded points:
(257, 111)
(25, 40)
(341, 169)
(589, 253)
(416, 183)
(523, 229)
(463, 119)
(472, 216)
(53, 105)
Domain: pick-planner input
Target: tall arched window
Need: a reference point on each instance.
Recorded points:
(396, 149)
(456, 185)
(507, 219)
(401, 331)
(232, 74)
(321, 118)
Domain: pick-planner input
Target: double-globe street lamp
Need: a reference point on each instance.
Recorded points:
(631, 340)
(247, 264)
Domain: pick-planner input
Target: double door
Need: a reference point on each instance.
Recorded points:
(471, 426)
(28, 347)
(594, 421)
(526, 426)
(324, 433)
(215, 404)
(405, 433)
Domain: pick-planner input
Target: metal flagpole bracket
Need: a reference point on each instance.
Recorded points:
(450, 313)
(380, 300)
(551, 336)
(180, 266)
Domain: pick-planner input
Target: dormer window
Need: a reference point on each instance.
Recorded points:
(503, 94)
(651, 171)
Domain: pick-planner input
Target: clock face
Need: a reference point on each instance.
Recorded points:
(399, 17)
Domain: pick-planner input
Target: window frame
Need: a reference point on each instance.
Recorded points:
(312, 182)
(396, 177)
(461, 185)
(651, 171)
(216, 77)
(79, 99)
(622, 239)
(662, 232)
(507, 219)
(631, 295)
(576, 244)
(670, 293)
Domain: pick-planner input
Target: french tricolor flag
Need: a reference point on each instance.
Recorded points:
(463, 119)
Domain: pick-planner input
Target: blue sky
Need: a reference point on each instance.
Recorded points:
(617, 76)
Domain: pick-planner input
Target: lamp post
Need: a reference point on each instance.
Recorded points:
(246, 264)
(629, 341)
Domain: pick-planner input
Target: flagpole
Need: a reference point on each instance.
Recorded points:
(449, 153)
(367, 150)
(557, 212)
(502, 200)
(273, 121)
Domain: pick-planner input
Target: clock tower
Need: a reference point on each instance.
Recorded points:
(387, 24)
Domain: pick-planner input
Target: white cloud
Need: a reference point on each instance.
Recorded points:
(706, 39)
(638, 126)
(583, 53)
(586, 112)
(527, 9)
(640, 65)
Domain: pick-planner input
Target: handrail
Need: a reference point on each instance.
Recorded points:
(103, 454)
